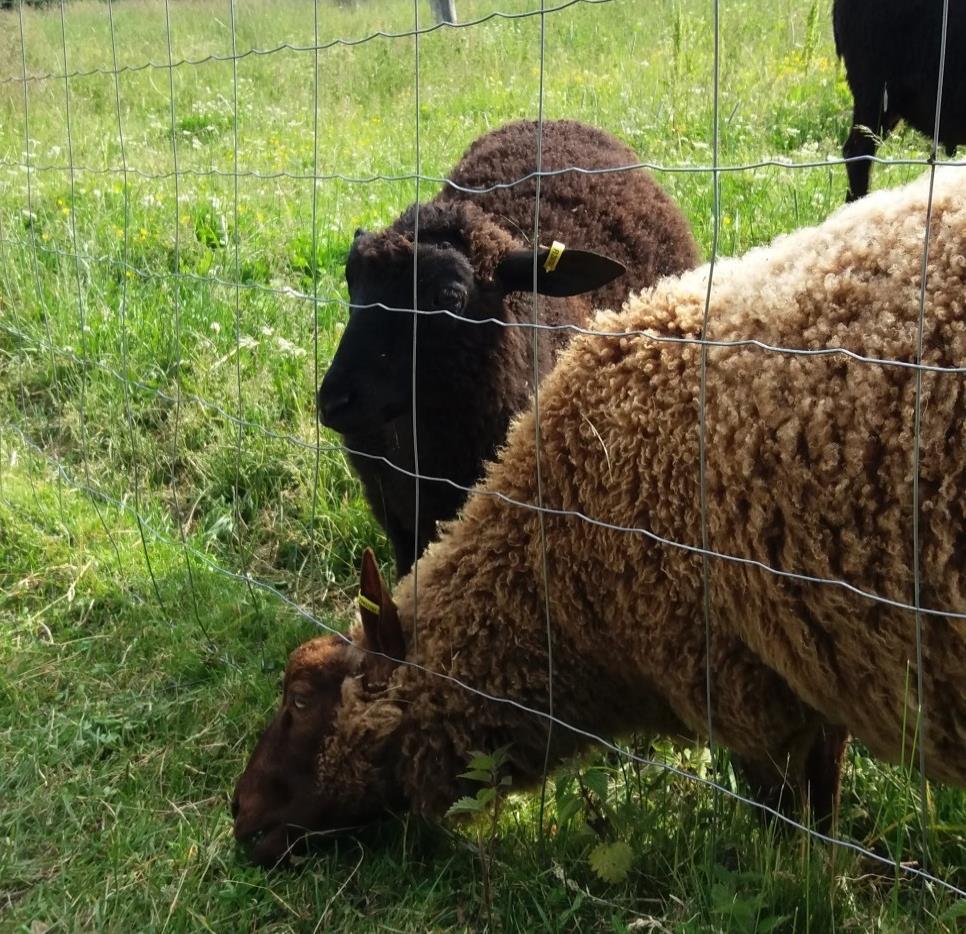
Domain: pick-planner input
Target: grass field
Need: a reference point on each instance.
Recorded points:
(159, 345)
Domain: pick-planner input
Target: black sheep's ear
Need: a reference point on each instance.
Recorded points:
(359, 232)
(561, 271)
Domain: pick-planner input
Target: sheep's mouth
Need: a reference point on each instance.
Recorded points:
(362, 424)
(347, 415)
(273, 847)
(270, 848)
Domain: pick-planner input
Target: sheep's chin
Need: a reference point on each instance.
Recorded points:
(273, 849)
(360, 424)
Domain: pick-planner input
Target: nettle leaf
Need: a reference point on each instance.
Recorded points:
(485, 796)
(477, 775)
(567, 810)
(481, 762)
(564, 786)
(612, 861)
(500, 755)
(596, 781)
(465, 806)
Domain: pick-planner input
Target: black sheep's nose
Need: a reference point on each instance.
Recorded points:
(332, 406)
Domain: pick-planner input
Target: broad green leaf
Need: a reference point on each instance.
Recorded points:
(465, 806)
(596, 781)
(612, 861)
(477, 775)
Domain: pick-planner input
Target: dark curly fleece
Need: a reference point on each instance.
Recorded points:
(472, 378)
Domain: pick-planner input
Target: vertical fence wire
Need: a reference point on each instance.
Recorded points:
(415, 322)
(535, 348)
(243, 555)
(32, 222)
(921, 724)
(703, 376)
(176, 309)
(81, 309)
(314, 267)
(6, 243)
(122, 314)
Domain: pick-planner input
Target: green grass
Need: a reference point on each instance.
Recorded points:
(135, 676)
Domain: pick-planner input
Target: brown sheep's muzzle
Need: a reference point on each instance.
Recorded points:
(270, 842)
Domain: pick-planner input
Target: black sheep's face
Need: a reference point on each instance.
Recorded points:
(369, 382)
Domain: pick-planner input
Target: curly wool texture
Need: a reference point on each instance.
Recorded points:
(472, 379)
(624, 214)
(809, 470)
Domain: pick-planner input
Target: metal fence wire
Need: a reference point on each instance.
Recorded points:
(152, 492)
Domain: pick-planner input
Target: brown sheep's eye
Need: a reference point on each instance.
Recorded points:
(299, 701)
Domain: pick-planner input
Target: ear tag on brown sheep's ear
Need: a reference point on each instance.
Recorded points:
(380, 619)
(553, 257)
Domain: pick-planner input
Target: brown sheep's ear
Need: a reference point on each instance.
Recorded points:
(380, 619)
(561, 271)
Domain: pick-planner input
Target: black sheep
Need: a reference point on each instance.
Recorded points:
(891, 53)
(475, 259)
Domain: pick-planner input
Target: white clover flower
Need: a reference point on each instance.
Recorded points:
(287, 347)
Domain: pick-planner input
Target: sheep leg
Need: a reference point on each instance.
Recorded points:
(768, 786)
(866, 126)
(815, 781)
(823, 775)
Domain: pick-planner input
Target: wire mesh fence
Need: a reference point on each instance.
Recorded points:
(178, 197)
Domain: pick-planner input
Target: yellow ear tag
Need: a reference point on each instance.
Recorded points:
(553, 257)
(368, 604)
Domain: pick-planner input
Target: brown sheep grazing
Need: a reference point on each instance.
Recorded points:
(474, 372)
(809, 475)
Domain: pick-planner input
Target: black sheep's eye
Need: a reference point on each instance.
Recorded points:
(450, 299)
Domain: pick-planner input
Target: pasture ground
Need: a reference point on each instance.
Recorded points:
(157, 345)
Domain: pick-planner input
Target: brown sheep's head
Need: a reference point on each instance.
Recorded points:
(322, 764)
(466, 267)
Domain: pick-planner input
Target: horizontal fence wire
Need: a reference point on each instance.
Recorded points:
(656, 337)
(303, 612)
(243, 423)
(88, 363)
(314, 48)
(659, 167)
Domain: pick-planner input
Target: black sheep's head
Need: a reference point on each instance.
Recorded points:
(456, 278)
(369, 381)
(324, 764)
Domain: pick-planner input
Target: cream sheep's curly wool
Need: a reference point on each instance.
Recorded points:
(809, 470)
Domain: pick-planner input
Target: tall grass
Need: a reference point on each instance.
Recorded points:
(142, 356)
